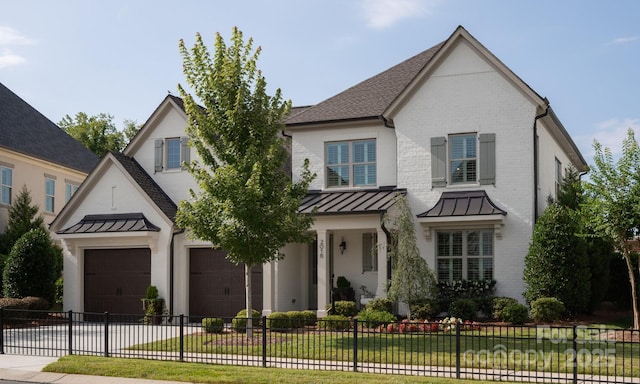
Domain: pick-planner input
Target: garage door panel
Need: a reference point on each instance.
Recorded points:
(116, 279)
(216, 286)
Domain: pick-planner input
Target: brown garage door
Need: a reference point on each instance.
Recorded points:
(116, 279)
(216, 286)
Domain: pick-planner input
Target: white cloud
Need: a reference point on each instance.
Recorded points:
(9, 36)
(384, 13)
(609, 134)
(9, 59)
(624, 40)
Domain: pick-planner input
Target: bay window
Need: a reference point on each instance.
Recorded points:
(464, 255)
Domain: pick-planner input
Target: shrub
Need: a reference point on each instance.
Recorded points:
(465, 309)
(36, 303)
(310, 317)
(30, 268)
(213, 324)
(344, 308)
(499, 303)
(372, 318)
(380, 304)
(12, 303)
(239, 323)
(547, 309)
(152, 292)
(335, 323)
(515, 313)
(279, 321)
(485, 305)
(59, 294)
(424, 311)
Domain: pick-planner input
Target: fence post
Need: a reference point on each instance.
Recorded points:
(106, 334)
(457, 350)
(1, 330)
(355, 345)
(182, 337)
(70, 332)
(575, 355)
(264, 341)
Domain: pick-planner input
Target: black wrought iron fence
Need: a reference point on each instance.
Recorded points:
(445, 349)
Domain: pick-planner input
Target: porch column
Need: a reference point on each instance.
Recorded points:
(324, 269)
(268, 272)
(382, 263)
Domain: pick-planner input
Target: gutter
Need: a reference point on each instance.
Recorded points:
(535, 163)
(171, 267)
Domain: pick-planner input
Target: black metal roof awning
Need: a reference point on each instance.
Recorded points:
(463, 203)
(350, 202)
(125, 222)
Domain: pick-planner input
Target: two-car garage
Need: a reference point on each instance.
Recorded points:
(116, 279)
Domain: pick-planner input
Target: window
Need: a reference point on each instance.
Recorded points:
(369, 252)
(6, 185)
(558, 165)
(351, 163)
(465, 255)
(49, 194)
(463, 159)
(69, 190)
(170, 153)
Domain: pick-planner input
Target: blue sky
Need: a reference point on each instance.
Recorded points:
(121, 57)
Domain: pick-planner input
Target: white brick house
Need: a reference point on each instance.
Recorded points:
(474, 149)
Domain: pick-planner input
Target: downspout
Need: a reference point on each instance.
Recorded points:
(536, 146)
(171, 263)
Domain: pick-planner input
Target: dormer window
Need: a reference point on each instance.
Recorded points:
(350, 163)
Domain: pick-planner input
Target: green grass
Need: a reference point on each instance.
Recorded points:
(206, 373)
(523, 348)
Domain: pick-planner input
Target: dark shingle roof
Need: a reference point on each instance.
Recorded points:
(25, 130)
(350, 202)
(122, 222)
(148, 185)
(463, 203)
(370, 98)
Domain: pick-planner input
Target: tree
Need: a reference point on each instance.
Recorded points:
(614, 189)
(412, 281)
(130, 130)
(30, 268)
(23, 217)
(556, 264)
(247, 203)
(98, 133)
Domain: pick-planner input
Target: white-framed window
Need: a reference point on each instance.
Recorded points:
(69, 190)
(6, 185)
(49, 194)
(463, 156)
(464, 255)
(351, 163)
(170, 153)
(369, 252)
(558, 171)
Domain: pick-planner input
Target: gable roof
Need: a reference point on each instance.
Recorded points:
(148, 185)
(368, 99)
(25, 130)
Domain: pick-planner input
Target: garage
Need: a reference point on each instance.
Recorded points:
(116, 279)
(216, 286)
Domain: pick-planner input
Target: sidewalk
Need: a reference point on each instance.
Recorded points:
(29, 369)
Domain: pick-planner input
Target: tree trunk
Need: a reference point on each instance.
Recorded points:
(632, 280)
(247, 285)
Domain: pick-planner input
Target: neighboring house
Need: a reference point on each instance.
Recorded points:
(475, 150)
(35, 152)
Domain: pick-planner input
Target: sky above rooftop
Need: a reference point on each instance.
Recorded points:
(121, 57)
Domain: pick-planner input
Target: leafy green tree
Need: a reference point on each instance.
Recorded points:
(130, 130)
(30, 268)
(412, 281)
(23, 217)
(98, 133)
(247, 203)
(614, 188)
(556, 264)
